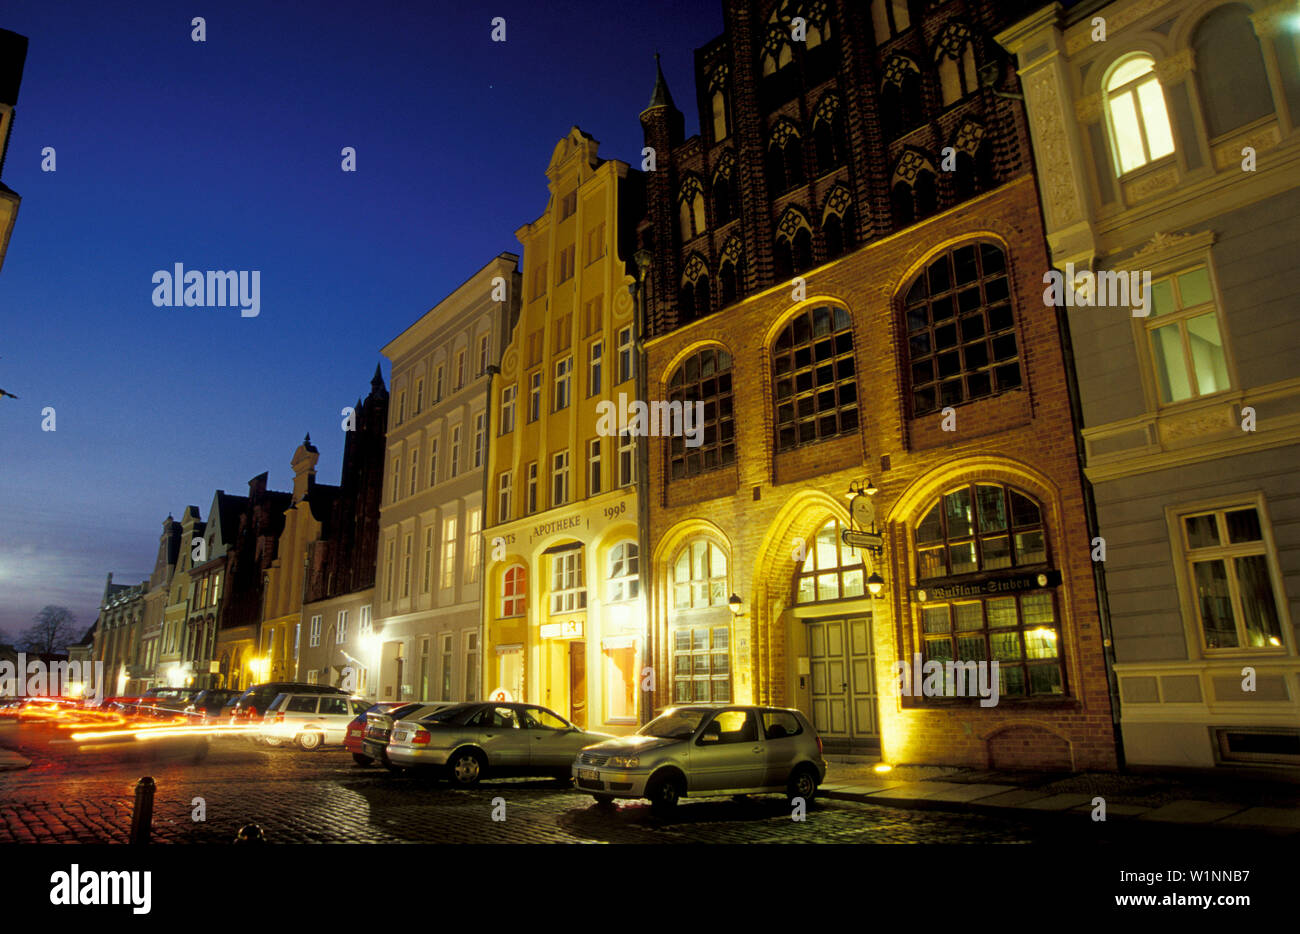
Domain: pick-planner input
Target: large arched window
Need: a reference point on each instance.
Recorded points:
(814, 378)
(1230, 70)
(690, 208)
(985, 527)
(955, 58)
(1135, 109)
(622, 581)
(831, 570)
(703, 377)
(961, 338)
(514, 591)
(793, 252)
(700, 576)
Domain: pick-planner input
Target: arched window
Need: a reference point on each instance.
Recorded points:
(837, 232)
(726, 205)
(623, 582)
(814, 378)
(690, 208)
(720, 103)
(730, 270)
(829, 140)
(961, 336)
(514, 591)
(913, 192)
(831, 570)
(703, 377)
(694, 299)
(1135, 108)
(700, 576)
(568, 581)
(793, 244)
(900, 95)
(889, 17)
(982, 527)
(819, 43)
(955, 57)
(784, 159)
(973, 170)
(1230, 70)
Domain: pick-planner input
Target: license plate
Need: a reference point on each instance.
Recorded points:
(589, 775)
(400, 737)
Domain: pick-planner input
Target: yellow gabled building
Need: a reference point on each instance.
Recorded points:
(564, 617)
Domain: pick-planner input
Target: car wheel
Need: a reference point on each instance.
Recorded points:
(359, 759)
(664, 793)
(802, 784)
(465, 768)
(310, 740)
(395, 769)
(604, 801)
(273, 741)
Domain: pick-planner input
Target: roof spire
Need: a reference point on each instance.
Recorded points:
(660, 97)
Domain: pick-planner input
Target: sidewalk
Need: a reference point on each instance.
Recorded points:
(1192, 798)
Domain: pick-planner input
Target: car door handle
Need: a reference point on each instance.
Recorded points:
(489, 736)
(757, 749)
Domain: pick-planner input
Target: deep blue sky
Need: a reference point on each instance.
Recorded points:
(225, 155)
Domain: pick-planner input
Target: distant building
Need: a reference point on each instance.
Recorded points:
(155, 601)
(117, 637)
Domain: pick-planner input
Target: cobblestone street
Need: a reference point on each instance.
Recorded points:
(322, 797)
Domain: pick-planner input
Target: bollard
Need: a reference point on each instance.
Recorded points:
(142, 814)
(250, 833)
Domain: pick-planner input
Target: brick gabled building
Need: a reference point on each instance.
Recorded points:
(847, 271)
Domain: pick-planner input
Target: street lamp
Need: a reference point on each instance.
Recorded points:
(734, 604)
(875, 583)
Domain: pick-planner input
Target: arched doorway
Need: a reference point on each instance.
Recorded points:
(832, 604)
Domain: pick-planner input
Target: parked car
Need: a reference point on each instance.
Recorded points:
(379, 726)
(312, 719)
(169, 698)
(354, 738)
(467, 742)
(253, 703)
(209, 705)
(702, 751)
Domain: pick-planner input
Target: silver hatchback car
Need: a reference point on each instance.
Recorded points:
(703, 751)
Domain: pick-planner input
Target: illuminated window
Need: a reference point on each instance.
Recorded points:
(955, 58)
(623, 582)
(961, 337)
(719, 103)
(406, 566)
(428, 560)
(980, 527)
(448, 553)
(831, 570)
(313, 638)
(473, 545)
(508, 409)
(889, 17)
(505, 493)
(703, 377)
(514, 591)
(814, 378)
(690, 208)
(1231, 570)
(701, 664)
(480, 430)
(1135, 106)
(568, 587)
(1185, 338)
(620, 682)
(700, 576)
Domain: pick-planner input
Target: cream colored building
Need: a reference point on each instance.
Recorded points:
(564, 612)
(427, 625)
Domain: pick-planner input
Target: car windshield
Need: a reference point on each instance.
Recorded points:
(452, 716)
(675, 724)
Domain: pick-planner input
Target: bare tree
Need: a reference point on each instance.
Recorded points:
(51, 631)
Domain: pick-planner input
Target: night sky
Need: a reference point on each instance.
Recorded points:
(225, 155)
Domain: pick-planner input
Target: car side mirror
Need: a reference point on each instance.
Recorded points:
(710, 738)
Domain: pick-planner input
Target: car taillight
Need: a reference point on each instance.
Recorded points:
(279, 718)
(421, 737)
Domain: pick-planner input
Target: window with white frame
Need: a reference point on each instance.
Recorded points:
(406, 564)
(535, 396)
(482, 354)
(471, 664)
(415, 470)
(419, 396)
(623, 582)
(700, 576)
(568, 587)
(626, 458)
(428, 560)
(480, 427)
(1231, 569)
(401, 407)
(1135, 109)
(397, 478)
(508, 410)
(365, 627)
(593, 467)
(473, 544)
(563, 369)
(389, 564)
(1184, 336)
(460, 369)
(595, 363)
(626, 356)
(447, 662)
(532, 488)
(437, 383)
(455, 451)
(433, 462)
(314, 638)
(448, 552)
(505, 493)
(559, 478)
(342, 630)
(514, 591)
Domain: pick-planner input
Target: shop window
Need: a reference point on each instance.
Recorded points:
(620, 682)
(831, 570)
(704, 377)
(1231, 569)
(979, 527)
(961, 338)
(814, 378)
